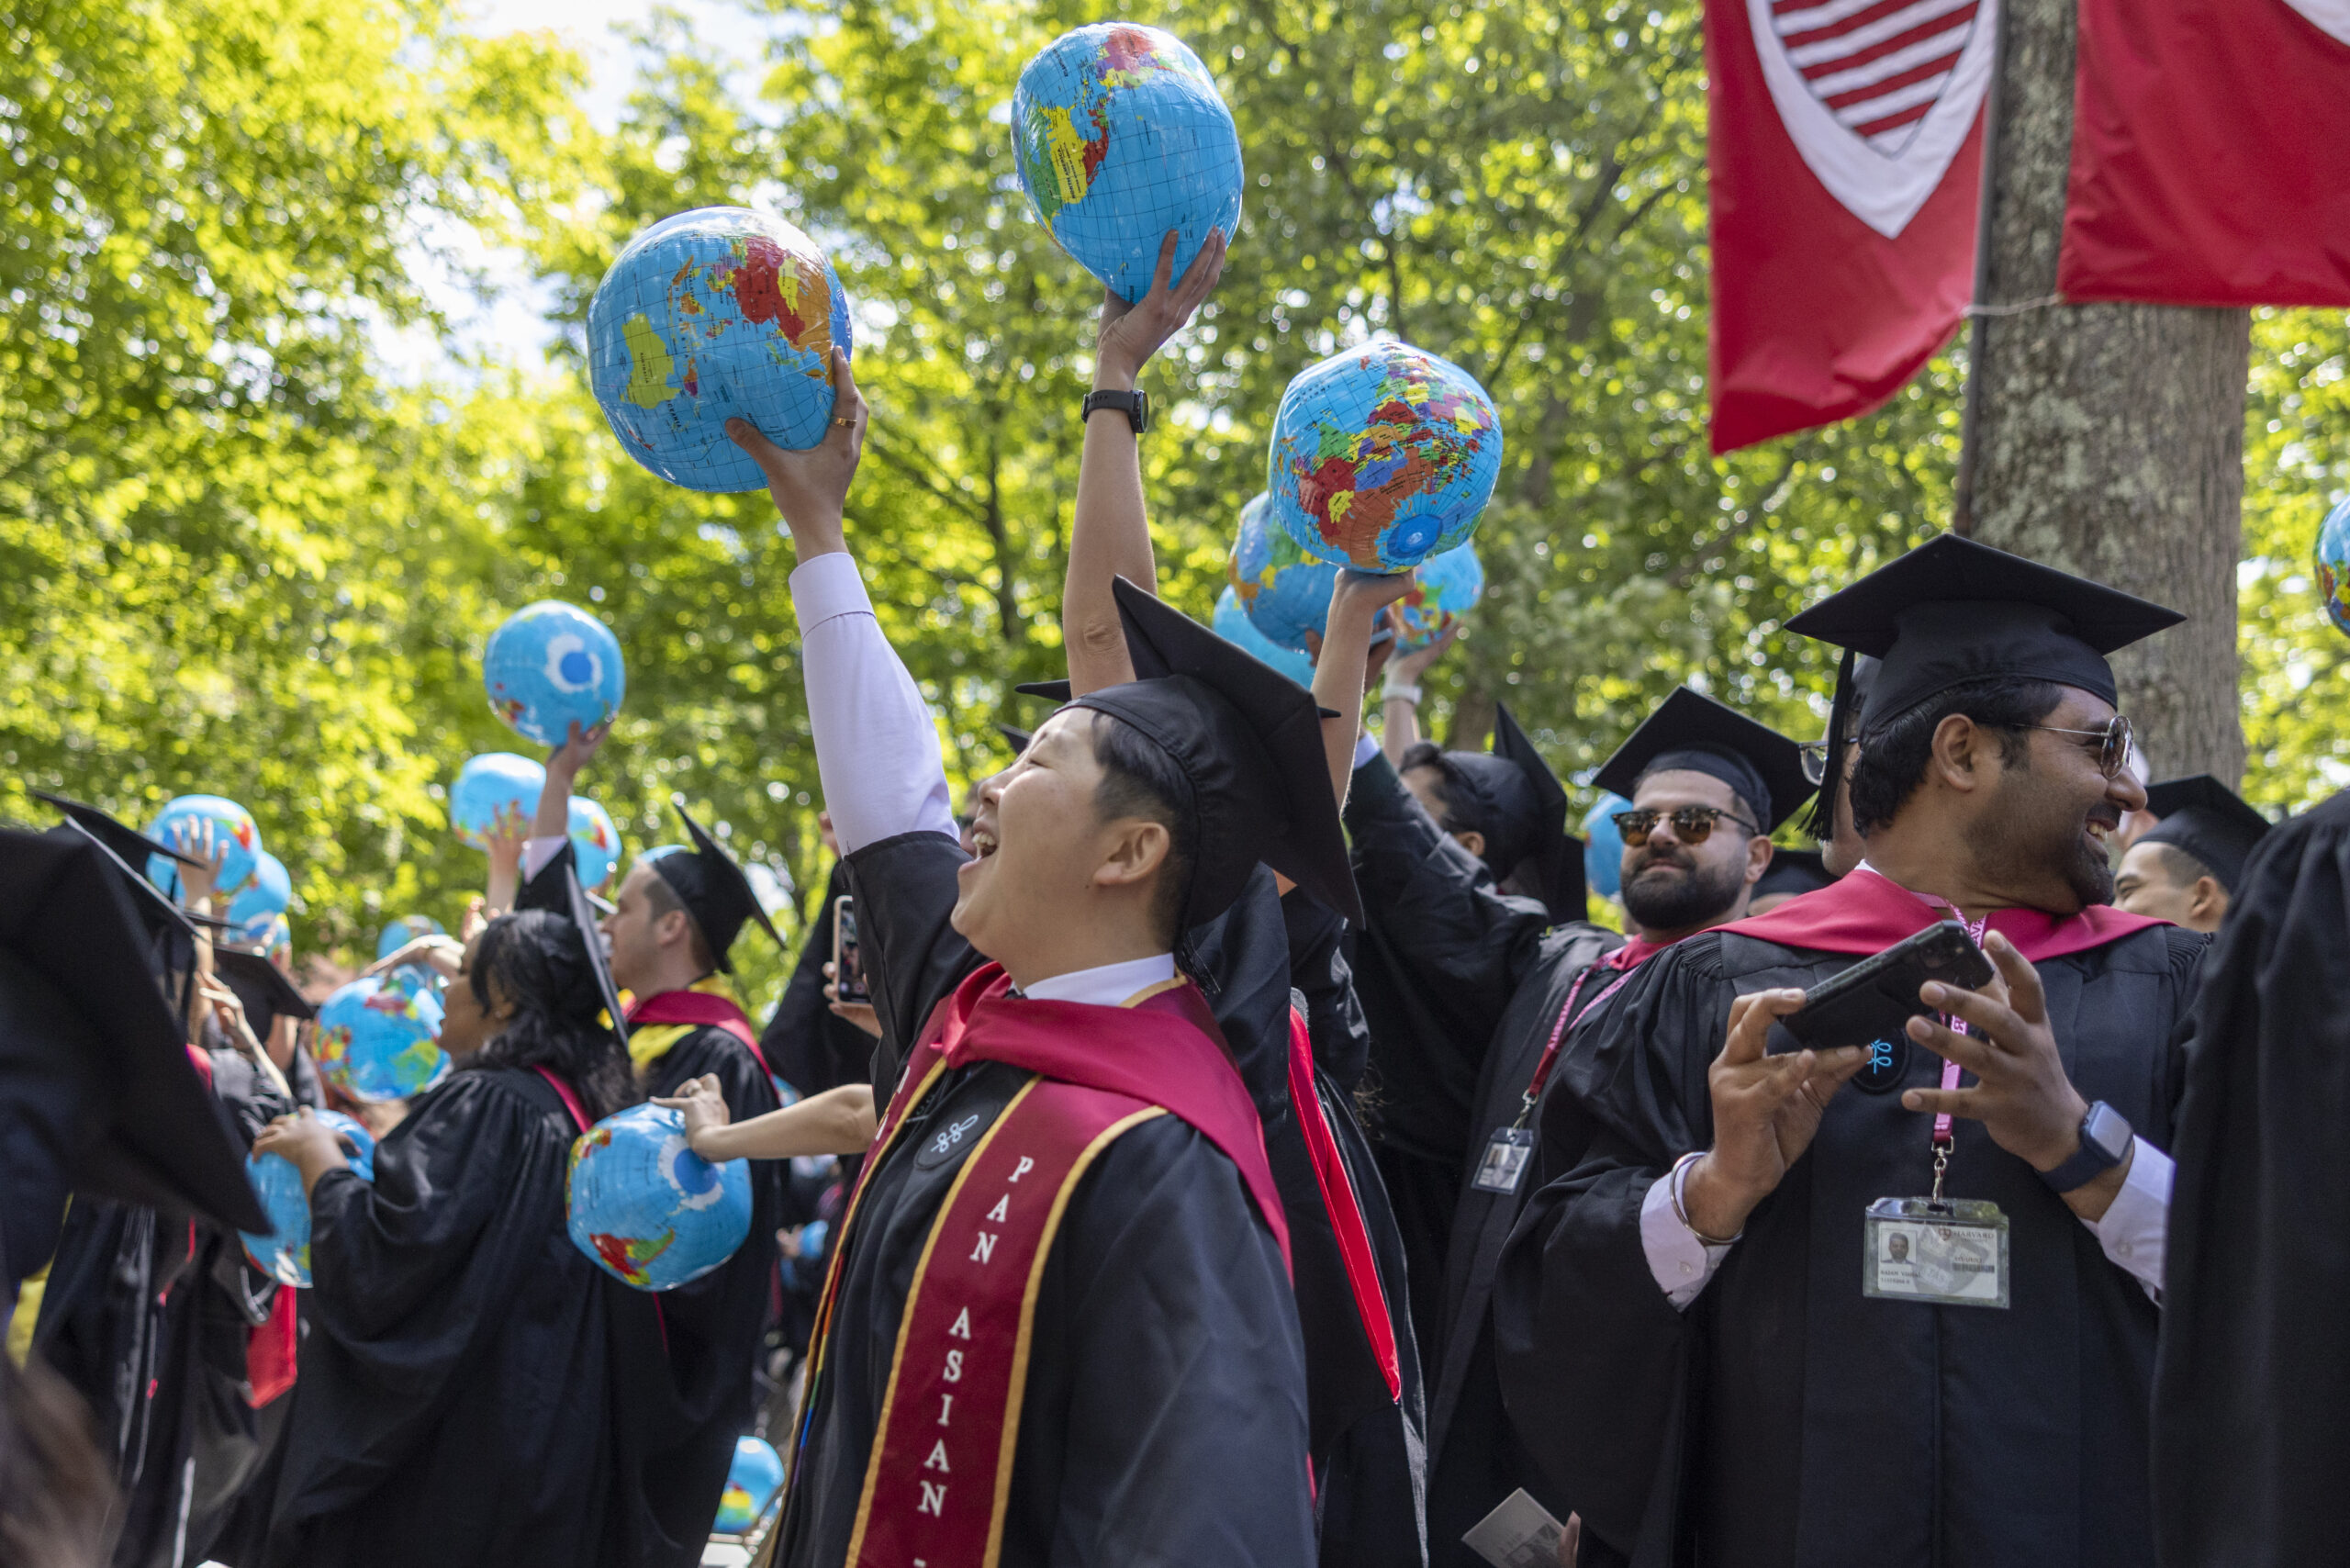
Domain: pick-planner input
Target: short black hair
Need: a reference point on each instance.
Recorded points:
(1893, 755)
(1427, 754)
(1140, 779)
(2183, 868)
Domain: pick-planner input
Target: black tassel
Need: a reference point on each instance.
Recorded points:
(1821, 825)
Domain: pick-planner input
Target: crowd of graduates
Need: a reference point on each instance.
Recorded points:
(1251, 1150)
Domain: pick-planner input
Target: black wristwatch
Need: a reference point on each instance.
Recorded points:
(1135, 405)
(2105, 1142)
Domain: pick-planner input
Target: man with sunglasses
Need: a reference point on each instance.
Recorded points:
(1738, 1366)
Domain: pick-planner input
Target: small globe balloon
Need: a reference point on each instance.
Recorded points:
(595, 842)
(378, 1038)
(1232, 624)
(497, 790)
(278, 946)
(233, 828)
(1120, 135)
(285, 1255)
(259, 907)
(1382, 455)
(651, 1211)
(551, 666)
(405, 930)
(707, 316)
(1603, 849)
(750, 1484)
(1285, 592)
(1444, 588)
(2334, 566)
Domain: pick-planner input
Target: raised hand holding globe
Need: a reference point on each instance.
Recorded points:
(495, 792)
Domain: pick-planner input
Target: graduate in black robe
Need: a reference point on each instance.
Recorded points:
(466, 1393)
(807, 1045)
(1778, 1415)
(2252, 1379)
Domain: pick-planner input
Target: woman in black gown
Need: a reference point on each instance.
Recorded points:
(465, 1394)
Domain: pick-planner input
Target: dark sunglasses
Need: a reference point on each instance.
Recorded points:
(1690, 824)
(2113, 742)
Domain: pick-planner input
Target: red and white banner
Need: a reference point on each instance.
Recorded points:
(1844, 142)
(2210, 153)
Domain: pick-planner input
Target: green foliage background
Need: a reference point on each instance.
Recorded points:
(239, 554)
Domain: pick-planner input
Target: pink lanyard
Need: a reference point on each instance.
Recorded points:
(1567, 1015)
(1943, 1139)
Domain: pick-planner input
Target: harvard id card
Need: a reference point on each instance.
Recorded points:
(1951, 1252)
(1503, 1166)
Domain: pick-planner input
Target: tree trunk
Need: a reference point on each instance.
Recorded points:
(2107, 439)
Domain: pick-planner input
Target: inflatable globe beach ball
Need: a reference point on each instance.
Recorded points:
(232, 825)
(553, 664)
(278, 946)
(496, 790)
(1285, 592)
(285, 1255)
(2334, 566)
(1381, 456)
(1444, 588)
(259, 908)
(651, 1211)
(1120, 135)
(1603, 846)
(1232, 624)
(378, 1038)
(706, 316)
(405, 930)
(750, 1484)
(595, 842)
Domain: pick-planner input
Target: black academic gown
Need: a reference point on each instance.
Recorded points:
(1434, 973)
(807, 1045)
(2252, 1383)
(1783, 1419)
(1164, 1419)
(463, 1398)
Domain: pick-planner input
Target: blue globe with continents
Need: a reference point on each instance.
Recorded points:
(1285, 591)
(1382, 455)
(651, 1211)
(232, 829)
(1232, 624)
(750, 1484)
(595, 842)
(256, 910)
(1444, 588)
(404, 930)
(380, 1038)
(549, 666)
(497, 790)
(285, 1255)
(711, 314)
(2334, 566)
(278, 946)
(1603, 848)
(1120, 135)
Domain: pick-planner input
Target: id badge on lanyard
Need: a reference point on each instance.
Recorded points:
(1942, 1251)
(1507, 1152)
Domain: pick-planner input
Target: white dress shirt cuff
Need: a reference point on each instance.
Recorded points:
(1681, 1262)
(537, 852)
(2135, 1231)
(826, 586)
(1365, 749)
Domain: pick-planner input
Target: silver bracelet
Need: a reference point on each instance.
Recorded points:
(1679, 1173)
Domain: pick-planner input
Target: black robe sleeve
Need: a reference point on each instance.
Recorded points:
(2254, 1370)
(913, 956)
(1318, 968)
(806, 1045)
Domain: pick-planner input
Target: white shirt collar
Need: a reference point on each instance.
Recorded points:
(1104, 985)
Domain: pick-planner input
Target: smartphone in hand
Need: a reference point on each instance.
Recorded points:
(848, 963)
(1874, 998)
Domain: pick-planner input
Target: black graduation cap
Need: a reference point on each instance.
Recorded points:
(712, 888)
(92, 1058)
(1849, 710)
(1792, 871)
(1014, 737)
(262, 986)
(2209, 820)
(555, 888)
(1249, 740)
(1954, 610)
(1692, 731)
(127, 843)
(171, 930)
(1521, 807)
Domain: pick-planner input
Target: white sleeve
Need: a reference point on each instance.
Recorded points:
(1365, 749)
(2135, 1231)
(877, 749)
(537, 852)
(1681, 1262)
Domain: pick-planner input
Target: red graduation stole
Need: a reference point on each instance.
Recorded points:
(1866, 912)
(700, 1007)
(1338, 1197)
(940, 1471)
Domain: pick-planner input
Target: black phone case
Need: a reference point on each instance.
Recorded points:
(1872, 999)
(849, 965)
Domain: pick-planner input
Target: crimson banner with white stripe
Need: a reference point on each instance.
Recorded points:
(1844, 162)
(2210, 166)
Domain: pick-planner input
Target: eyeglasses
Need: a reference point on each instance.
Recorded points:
(2113, 742)
(1815, 760)
(1690, 824)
